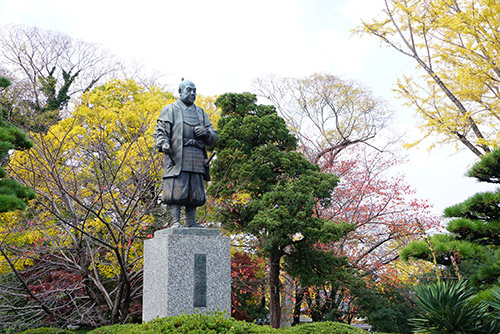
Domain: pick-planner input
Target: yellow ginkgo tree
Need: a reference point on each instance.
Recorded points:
(456, 46)
(76, 252)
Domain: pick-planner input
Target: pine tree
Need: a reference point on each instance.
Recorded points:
(472, 249)
(12, 194)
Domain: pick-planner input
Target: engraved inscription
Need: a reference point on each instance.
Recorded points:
(200, 280)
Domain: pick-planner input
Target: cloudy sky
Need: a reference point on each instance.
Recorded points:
(223, 45)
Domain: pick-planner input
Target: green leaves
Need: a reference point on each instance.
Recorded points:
(488, 168)
(444, 246)
(255, 149)
(446, 307)
(13, 196)
(237, 104)
(479, 206)
(256, 156)
(494, 301)
(4, 82)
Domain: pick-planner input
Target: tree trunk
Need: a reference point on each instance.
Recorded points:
(275, 289)
(299, 296)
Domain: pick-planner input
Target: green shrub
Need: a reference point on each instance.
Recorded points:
(447, 307)
(199, 323)
(387, 309)
(322, 327)
(219, 323)
(216, 323)
(47, 330)
(118, 329)
(188, 324)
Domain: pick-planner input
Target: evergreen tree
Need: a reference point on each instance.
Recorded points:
(472, 249)
(12, 195)
(265, 188)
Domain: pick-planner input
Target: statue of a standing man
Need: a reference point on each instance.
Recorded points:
(182, 132)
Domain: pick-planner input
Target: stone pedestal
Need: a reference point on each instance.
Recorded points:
(186, 269)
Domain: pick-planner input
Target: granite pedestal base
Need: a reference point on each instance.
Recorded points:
(185, 270)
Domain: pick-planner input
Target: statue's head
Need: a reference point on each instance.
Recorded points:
(187, 90)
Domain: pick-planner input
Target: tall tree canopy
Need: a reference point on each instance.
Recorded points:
(48, 69)
(456, 45)
(265, 188)
(325, 112)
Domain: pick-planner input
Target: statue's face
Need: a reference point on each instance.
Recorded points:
(187, 90)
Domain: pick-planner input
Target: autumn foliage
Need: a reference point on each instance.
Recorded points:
(455, 46)
(248, 287)
(96, 180)
(386, 217)
(382, 207)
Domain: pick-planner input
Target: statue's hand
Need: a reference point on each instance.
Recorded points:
(165, 148)
(200, 131)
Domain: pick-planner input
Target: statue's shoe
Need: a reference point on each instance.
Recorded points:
(195, 225)
(175, 225)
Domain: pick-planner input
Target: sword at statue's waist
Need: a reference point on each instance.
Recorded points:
(207, 161)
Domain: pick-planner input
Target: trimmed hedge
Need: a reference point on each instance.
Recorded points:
(47, 330)
(188, 324)
(322, 327)
(117, 329)
(218, 323)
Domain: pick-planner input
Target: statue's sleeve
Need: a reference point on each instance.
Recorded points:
(163, 129)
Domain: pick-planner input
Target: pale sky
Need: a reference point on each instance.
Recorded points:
(223, 45)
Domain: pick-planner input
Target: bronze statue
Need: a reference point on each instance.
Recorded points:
(182, 133)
